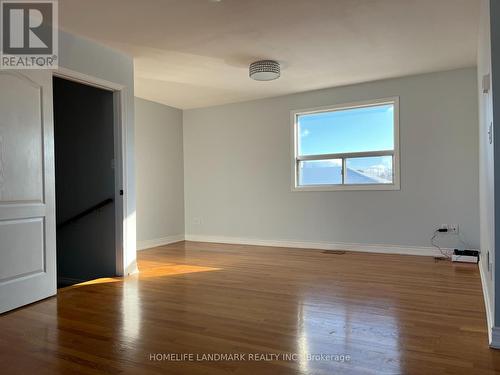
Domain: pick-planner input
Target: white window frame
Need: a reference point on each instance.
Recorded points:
(338, 107)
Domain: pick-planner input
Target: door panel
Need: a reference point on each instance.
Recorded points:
(27, 212)
(21, 239)
(21, 143)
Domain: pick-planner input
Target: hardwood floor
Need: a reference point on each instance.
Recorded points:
(387, 314)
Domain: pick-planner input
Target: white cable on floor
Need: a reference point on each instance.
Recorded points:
(443, 252)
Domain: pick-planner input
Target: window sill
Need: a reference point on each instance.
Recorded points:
(380, 187)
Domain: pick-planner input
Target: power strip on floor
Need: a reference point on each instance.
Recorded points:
(465, 256)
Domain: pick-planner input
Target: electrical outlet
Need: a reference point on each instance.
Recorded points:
(197, 220)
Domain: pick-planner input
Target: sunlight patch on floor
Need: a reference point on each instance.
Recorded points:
(170, 269)
(174, 269)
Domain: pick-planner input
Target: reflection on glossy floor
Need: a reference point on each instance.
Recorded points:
(390, 314)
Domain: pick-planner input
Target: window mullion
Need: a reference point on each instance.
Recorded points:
(345, 155)
(344, 170)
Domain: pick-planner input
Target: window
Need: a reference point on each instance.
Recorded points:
(347, 147)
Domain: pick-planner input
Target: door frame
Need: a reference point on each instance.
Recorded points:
(120, 150)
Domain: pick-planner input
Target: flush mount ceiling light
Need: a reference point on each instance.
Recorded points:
(264, 70)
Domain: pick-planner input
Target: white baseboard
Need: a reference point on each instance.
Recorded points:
(147, 244)
(487, 304)
(368, 248)
(493, 332)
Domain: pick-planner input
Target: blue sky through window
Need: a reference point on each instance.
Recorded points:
(348, 130)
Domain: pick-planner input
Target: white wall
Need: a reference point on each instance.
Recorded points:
(237, 168)
(486, 165)
(160, 174)
(89, 58)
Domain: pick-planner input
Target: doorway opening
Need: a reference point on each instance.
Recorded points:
(86, 182)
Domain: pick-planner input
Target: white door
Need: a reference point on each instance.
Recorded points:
(27, 211)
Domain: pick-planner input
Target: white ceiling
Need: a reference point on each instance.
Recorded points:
(195, 53)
